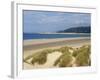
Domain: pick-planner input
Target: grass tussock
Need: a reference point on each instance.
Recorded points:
(83, 56)
(41, 57)
(64, 60)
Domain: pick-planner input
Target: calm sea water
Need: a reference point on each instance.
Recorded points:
(51, 36)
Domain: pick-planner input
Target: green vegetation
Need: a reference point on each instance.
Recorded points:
(40, 57)
(65, 49)
(81, 55)
(75, 52)
(65, 59)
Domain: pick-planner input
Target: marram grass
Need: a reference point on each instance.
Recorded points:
(81, 56)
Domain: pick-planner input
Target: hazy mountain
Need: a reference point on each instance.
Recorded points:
(86, 29)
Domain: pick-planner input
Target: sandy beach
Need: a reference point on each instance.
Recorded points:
(32, 46)
(41, 43)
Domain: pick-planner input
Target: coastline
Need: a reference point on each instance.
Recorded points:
(40, 41)
(45, 43)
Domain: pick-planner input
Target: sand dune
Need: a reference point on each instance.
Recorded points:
(48, 64)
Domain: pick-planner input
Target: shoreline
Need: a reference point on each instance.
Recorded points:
(40, 41)
(39, 44)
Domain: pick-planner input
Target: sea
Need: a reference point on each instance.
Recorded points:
(27, 36)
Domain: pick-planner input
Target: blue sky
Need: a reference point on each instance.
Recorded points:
(48, 21)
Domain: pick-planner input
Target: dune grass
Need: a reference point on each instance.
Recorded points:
(81, 55)
(65, 59)
(41, 57)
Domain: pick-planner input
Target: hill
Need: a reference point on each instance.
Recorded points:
(86, 29)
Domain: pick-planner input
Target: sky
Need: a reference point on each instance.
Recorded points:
(49, 21)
